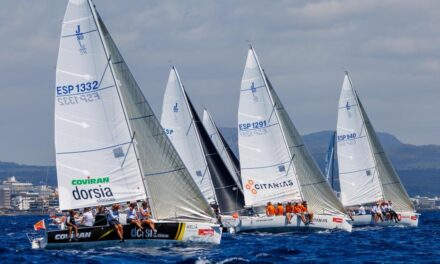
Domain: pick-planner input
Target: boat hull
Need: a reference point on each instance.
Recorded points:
(406, 219)
(278, 224)
(106, 236)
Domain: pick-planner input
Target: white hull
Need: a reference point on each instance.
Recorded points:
(276, 224)
(406, 219)
(172, 232)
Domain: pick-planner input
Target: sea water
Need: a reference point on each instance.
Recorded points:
(366, 244)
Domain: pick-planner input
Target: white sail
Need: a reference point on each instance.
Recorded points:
(366, 174)
(172, 193)
(358, 177)
(96, 162)
(216, 138)
(266, 164)
(178, 124)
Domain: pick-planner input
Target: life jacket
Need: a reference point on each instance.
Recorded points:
(289, 209)
(303, 208)
(297, 209)
(280, 210)
(271, 210)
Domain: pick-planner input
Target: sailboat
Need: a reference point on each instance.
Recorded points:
(366, 175)
(222, 147)
(330, 161)
(110, 147)
(275, 164)
(191, 140)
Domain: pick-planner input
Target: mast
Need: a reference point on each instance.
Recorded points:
(98, 25)
(281, 128)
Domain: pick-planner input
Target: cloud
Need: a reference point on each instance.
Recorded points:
(390, 48)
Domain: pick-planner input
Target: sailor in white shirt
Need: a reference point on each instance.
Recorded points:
(361, 210)
(88, 218)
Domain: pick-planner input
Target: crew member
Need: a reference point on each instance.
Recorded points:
(279, 210)
(113, 220)
(145, 216)
(270, 209)
(71, 224)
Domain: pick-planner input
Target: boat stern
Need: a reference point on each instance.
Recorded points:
(200, 233)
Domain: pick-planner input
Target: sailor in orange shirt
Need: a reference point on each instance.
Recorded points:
(297, 209)
(289, 212)
(306, 212)
(270, 209)
(280, 210)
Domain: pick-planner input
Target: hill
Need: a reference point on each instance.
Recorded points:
(418, 166)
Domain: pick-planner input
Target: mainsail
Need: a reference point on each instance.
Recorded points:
(192, 141)
(104, 128)
(275, 164)
(365, 172)
(222, 147)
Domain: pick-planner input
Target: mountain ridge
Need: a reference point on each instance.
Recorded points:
(417, 166)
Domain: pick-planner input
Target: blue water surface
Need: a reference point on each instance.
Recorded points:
(368, 244)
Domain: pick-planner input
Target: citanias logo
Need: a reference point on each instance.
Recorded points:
(250, 186)
(255, 187)
(97, 192)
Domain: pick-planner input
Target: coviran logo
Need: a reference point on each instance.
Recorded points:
(99, 192)
(253, 188)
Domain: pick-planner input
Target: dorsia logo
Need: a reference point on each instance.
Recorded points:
(99, 192)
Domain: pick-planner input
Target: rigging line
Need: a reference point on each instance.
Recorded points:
(128, 149)
(105, 70)
(290, 164)
(313, 183)
(189, 127)
(271, 113)
(204, 173)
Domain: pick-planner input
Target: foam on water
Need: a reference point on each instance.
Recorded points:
(364, 244)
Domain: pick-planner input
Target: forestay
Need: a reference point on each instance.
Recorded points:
(178, 124)
(222, 148)
(266, 165)
(96, 162)
(358, 176)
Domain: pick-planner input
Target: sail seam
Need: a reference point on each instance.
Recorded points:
(163, 172)
(347, 172)
(82, 33)
(92, 150)
(252, 168)
(141, 117)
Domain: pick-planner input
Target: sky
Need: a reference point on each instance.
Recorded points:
(390, 48)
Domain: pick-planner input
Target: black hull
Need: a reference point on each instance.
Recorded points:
(103, 234)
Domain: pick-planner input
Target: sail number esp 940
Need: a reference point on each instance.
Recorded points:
(346, 137)
(78, 88)
(253, 125)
